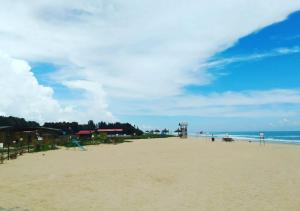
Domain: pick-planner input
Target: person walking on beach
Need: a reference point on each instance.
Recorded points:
(212, 138)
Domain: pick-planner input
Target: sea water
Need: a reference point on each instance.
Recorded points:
(292, 137)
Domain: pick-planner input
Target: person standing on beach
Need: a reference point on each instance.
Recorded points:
(212, 138)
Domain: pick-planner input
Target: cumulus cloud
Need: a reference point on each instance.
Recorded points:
(119, 51)
(93, 103)
(21, 94)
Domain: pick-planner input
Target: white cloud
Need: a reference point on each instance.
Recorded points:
(22, 95)
(271, 103)
(115, 50)
(251, 57)
(93, 105)
(246, 98)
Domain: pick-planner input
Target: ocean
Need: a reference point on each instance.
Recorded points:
(288, 137)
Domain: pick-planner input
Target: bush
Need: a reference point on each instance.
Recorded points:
(100, 138)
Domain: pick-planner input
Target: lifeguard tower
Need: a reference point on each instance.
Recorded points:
(183, 129)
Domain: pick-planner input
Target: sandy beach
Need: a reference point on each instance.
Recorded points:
(161, 174)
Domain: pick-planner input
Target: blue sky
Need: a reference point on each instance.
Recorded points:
(267, 73)
(274, 72)
(153, 63)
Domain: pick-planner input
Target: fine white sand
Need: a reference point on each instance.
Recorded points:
(161, 174)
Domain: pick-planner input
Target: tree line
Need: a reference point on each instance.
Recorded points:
(69, 127)
(17, 123)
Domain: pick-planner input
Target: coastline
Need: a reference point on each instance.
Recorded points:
(250, 139)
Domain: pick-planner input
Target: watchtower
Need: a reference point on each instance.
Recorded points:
(183, 129)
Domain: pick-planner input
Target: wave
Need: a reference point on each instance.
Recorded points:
(276, 137)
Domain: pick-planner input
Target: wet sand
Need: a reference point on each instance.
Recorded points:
(161, 174)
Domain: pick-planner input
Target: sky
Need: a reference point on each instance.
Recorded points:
(220, 66)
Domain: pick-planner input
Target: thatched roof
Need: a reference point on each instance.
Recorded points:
(177, 131)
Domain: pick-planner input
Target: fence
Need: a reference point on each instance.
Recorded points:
(14, 149)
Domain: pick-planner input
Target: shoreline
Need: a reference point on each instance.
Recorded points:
(255, 140)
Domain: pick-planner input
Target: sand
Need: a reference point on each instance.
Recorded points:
(161, 174)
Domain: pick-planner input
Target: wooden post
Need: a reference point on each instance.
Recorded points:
(28, 142)
(21, 146)
(2, 157)
(7, 142)
(8, 154)
(2, 153)
(15, 154)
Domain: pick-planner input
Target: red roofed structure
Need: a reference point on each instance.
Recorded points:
(88, 133)
(110, 130)
(85, 132)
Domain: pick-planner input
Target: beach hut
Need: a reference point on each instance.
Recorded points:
(177, 131)
(16, 141)
(5, 134)
(156, 132)
(5, 141)
(85, 134)
(164, 132)
(39, 137)
(111, 131)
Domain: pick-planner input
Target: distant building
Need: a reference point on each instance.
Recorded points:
(85, 133)
(5, 134)
(115, 131)
(9, 135)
